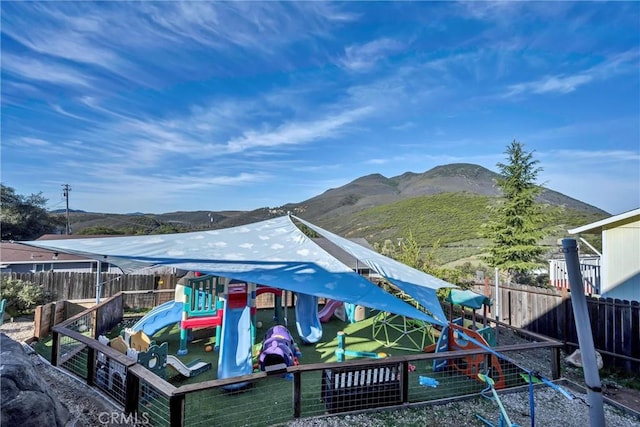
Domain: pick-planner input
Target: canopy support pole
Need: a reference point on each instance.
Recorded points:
(98, 282)
(585, 337)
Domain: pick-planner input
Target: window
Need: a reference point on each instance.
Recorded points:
(42, 267)
(104, 267)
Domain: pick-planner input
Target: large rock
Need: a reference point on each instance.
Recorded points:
(26, 400)
(575, 359)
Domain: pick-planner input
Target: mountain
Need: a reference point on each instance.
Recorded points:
(375, 190)
(446, 204)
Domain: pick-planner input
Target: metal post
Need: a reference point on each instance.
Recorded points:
(497, 301)
(585, 337)
(98, 283)
(286, 306)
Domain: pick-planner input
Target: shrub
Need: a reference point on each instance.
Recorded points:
(23, 296)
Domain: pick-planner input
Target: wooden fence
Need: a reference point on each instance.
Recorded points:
(48, 315)
(75, 286)
(615, 323)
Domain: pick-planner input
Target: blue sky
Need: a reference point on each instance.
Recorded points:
(166, 106)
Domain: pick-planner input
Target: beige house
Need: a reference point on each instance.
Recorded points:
(620, 261)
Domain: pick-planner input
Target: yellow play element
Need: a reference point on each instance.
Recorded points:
(118, 343)
(139, 341)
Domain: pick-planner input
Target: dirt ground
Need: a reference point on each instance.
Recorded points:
(90, 408)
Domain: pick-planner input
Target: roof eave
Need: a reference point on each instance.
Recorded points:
(596, 227)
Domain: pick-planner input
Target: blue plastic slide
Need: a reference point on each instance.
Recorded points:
(235, 346)
(307, 319)
(160, 317)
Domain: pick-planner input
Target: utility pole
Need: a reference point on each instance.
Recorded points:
(65, 192)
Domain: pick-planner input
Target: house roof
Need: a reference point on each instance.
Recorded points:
(598, 226)
(16, 253)
(74, 236)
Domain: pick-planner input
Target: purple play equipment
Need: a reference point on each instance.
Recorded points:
(278, 347)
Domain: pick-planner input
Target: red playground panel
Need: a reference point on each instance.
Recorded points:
(237, 296)
(203, 321)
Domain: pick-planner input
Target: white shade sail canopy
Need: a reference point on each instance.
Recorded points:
(420, 285)
(274, 253)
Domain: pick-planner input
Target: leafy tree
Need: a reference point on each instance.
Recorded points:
(410, 252)
(24, 217)
(516, 224)
(387, 248)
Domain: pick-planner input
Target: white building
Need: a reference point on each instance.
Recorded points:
(620, 263)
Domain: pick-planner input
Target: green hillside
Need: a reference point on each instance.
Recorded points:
(452, 219)
(448, 217)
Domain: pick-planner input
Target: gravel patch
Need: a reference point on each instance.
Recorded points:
(551, 409)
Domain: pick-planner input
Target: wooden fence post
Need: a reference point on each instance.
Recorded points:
(91, 365)
(55, 347)
(556, 367)
(404, 393)
(176, 410)
(297, 393)
(132, 393)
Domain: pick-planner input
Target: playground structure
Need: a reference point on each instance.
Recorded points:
(203, 306)
(460, 334)
(456, 337)
(342, 352)
(309, 320)
(400, 332)
(147, 353)
(503, 420)
(447, 384)
(278, 348)
(205, 301)
(332, 307)
(229, 306)
(392, 330)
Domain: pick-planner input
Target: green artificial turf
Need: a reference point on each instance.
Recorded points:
(358, 337)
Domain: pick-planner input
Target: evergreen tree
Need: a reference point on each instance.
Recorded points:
(516, 225)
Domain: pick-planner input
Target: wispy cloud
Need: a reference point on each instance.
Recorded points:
(405, 126)
(113, 38)
(297, 133)
(365, 56)
(33, 142)
(30, 69)
(597, 156)
(621, 63)
(550, 84)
